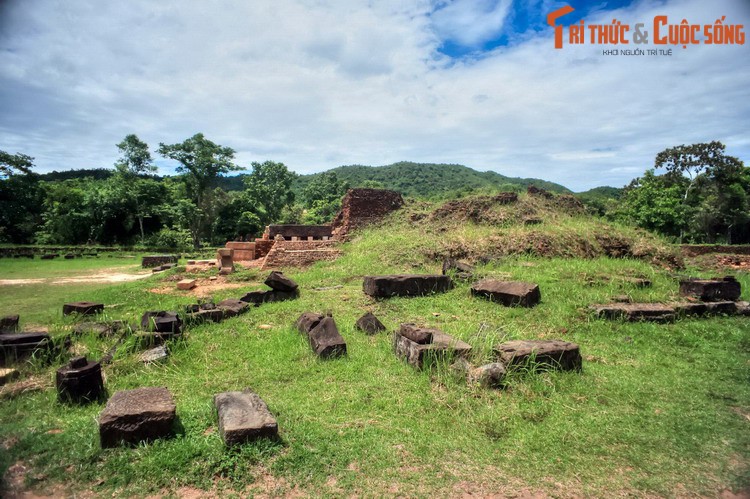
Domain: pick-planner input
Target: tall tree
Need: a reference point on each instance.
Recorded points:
(9, 163)
(135, 161)
(201, 162)
(269, 186)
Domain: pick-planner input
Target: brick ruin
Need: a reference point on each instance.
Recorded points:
(300, 245)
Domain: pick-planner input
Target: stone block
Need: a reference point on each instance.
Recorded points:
(406, 285)
(540, 354)
(244, 417)
(163, 322)
(7, 375)
(154, 355)
(9, 323)
(419, 335)
(232, 307)
(443, 347)
(79, 381)
(151, 261)
(508, 293)
(489, 375)
(653, 312)
(307, 321)
(102, 329)
(325, 339)
(19, 346)
(133, 416)
(726, 289)
(83, 308)
(186, 284)
(279, 282)
(258, 297)
(369, 324)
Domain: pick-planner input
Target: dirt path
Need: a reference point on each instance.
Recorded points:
(100, 277)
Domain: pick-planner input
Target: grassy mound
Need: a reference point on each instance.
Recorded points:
(657, 410)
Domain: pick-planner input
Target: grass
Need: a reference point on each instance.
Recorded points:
(657, 410)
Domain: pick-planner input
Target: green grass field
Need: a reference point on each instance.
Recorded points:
(659, 409)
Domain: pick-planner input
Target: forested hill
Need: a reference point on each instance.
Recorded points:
(427, 179)
(424, 180)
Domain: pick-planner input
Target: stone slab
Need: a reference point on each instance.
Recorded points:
(7, 375)
(727, 289)
(279, 282)
(83, 308)
(164, 322)
(9, 323)
(307, 321)
(489, 375)
(232, 307)
(133, 416)
(542, 354)
(386, 286)
(508, 293)
(442, 348)
(653, 312)
(419, 335)
(369, 324)
(79, 381)
(244, 417)
(186, 284)
(154, 355)
(325, 339)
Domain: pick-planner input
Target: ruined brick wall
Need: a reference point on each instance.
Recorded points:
(299, 253)
(262, 247)
(360, 207)
(243, 251)
(303, 232)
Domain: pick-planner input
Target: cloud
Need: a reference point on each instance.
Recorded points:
(470, 22)
(317, 84)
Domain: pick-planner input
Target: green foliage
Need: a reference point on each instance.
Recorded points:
(268, 187)
(427, 180)
(322, 198)
(171, 239)
(703, 197)
(13, 163)
(135, 157)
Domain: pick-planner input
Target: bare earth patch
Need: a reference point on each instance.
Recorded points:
(204, 287)
(100, 277)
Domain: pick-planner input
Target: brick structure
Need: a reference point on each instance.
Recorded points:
(299, 232)
(361, 207)
(243, 251)
(299, 253)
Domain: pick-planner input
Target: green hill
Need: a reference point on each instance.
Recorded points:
(429, 179)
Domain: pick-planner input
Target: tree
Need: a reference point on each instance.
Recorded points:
(690, 160)
(322, 197)
(135, 161)
(10, 162)
(654, 202)
(201, 162)
(270, 187)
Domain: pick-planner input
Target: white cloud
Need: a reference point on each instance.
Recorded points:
(317, 84)
(470, 22)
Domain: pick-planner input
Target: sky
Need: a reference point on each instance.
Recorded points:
(317, 84)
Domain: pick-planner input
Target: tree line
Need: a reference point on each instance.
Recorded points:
(134, 207)
(695, 193)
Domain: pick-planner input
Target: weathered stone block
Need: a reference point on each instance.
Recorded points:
(442, 348)
(186, 284)
(307, 321)
(540, 354)
(406, 285)
(18, 346)
(369, 324)
(243, 417)
(225, 261)
(489, 375)
(154, 355)
(151, 261)
(259, 297)
(325, 339)
(7, 375)
(232, 307)
(419, 335)
(279, 282)
(79, 381)
(163, 322)
(727, 289)
(9, 323)
(83, 308)
(508, 293)
(103, 329)
(654, 312)
(132, 416)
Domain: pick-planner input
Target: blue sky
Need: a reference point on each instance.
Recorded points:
(322, 83)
